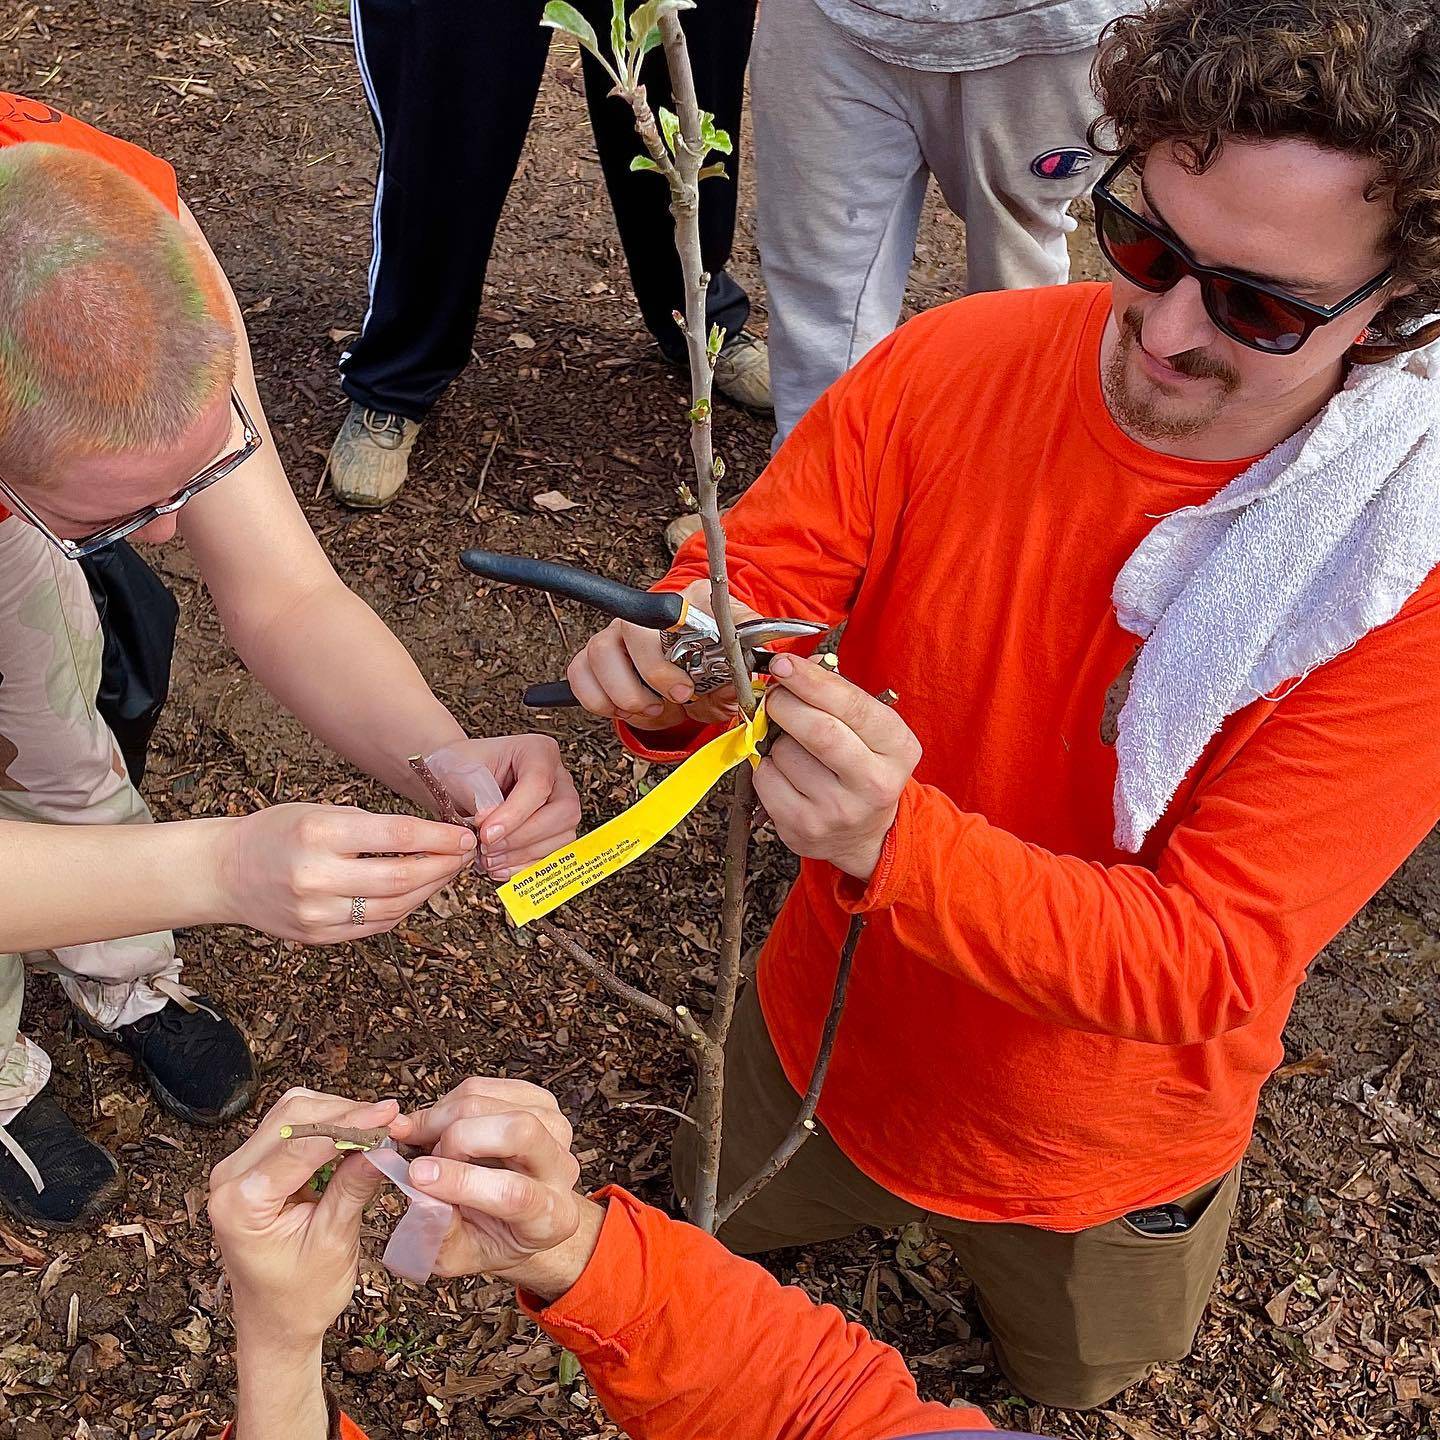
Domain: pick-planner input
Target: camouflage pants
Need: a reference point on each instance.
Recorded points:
(60, 765)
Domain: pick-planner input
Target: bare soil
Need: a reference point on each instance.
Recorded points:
(1325, 1319)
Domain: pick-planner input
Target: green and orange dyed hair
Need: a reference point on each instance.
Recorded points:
(114, 330)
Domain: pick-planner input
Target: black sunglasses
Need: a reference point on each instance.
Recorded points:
(1250, 312)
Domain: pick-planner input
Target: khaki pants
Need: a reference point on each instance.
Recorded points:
(60, 765)
(1074, 1318)
(845, 145)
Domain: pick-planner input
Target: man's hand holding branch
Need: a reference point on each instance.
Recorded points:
(832, 781)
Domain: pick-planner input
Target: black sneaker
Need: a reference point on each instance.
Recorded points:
(81, 1178)
(197, 1062)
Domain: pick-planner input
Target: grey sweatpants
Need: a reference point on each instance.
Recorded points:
(844, 146)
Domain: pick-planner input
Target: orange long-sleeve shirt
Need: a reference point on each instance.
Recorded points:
(1041, 1028)
(667, 1324)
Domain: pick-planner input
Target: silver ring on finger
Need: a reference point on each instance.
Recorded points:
(357, 910)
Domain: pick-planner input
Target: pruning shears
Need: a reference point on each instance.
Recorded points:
(688, 637)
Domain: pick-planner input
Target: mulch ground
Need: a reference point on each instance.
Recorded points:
(1324, 1322)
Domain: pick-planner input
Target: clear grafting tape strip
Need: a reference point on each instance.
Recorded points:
(415, 1244)
(471, 785)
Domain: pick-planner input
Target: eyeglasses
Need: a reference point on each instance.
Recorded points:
(1248, 311)
(249, 442)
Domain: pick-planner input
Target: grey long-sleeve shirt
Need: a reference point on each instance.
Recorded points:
(970, 34)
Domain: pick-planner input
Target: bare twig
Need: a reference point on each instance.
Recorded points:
(393, 955)
(677, 147)
(347, 1137)
(685, 206)
(662, 1012)
(559, 623)
(484, 471)
(710, 1090)
(444, 804)
(682, 172)
(645, 1105)
(803, 1126)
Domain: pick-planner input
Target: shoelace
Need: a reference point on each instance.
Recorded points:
(23, 1160)
(388, 430)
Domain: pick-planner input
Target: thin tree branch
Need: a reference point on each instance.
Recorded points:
(347, 1137)
(803, 1126)
(645, 1105)
(710, 1059)
(444, 804)
(685, 206)
(732, 913)
(682, 174)
(610, 980)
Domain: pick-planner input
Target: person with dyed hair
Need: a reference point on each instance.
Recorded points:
(128, 407)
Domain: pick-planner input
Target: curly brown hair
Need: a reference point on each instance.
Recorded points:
(1361, 76)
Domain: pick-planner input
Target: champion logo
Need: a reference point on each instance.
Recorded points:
(1062, 164)
(16, 107)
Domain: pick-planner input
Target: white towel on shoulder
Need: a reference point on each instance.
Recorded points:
(1291, 563)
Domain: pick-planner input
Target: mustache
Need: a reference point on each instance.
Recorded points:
(1195, 363)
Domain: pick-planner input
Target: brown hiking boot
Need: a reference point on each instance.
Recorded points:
(742, 372)
(679, 530)
(370, 457)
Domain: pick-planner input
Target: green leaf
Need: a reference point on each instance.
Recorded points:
(712, 138)
(717, 469)
(644, 19)
(717, 171)
(715, 340)
(644, 162)
(569, 1370)
(669, 128)
(617, 31)
(701, 412)
(566, 18)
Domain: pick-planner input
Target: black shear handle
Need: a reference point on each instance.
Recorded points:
(639, 607)
(556, 694)
(552, 695)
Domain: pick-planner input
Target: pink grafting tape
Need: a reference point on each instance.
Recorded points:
(470, 785)
(469, 781)
(416, 1241)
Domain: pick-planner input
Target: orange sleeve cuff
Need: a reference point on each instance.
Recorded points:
(667, 747)
(883, 888)
(592, 1317)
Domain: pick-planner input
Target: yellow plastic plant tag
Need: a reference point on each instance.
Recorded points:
(570, 871)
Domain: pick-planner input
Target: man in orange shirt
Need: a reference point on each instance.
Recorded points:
(1093, 870)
